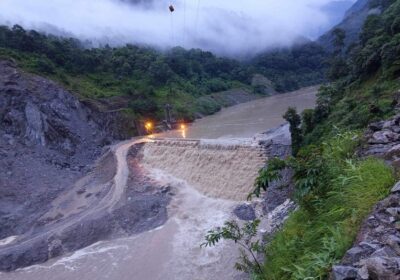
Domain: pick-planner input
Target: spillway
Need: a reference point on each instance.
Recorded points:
(209, 177)
(216, 168)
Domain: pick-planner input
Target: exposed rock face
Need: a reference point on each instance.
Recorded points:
(376, 253)
(65, 228)
(49, 140)
(46, 141)
(278, 144)
(383, 141)
(245, 212)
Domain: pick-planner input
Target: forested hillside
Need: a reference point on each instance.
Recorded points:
(335, 188)
(147, 79)
(292, 68)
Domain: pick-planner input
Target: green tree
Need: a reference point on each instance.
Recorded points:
(294, 120)
(308, 122)
(243, 236)
(338, 41)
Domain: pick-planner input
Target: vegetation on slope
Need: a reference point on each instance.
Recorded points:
(148, 79)
(144, 76)
(335, 189)
(292, 68)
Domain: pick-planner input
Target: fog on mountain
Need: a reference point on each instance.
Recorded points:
(221, 26)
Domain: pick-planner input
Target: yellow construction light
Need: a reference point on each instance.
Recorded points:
(149, 125)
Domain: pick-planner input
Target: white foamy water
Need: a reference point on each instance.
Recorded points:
(221, 170)
(172, 252)
(166, 253)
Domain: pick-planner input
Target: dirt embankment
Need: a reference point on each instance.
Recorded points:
(54, 197)
(110, 202)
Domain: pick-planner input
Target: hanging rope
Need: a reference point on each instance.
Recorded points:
(172, 9)
(197, 19)
(184, 22)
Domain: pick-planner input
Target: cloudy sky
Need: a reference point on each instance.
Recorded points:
(231, 27)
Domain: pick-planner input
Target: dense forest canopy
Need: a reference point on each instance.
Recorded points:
(151, 77)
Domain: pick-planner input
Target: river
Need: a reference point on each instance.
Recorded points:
(172, 251)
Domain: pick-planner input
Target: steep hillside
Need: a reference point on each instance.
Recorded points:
(57, 178)
(147, 79)
(47, 140)
(338, 178)
(337, 9)
(352, 22)
(291, 68)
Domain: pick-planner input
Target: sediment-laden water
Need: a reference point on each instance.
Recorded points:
(208, 181)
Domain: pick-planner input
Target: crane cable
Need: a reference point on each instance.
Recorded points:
(197, 19)
(184, 22)
(171, 9)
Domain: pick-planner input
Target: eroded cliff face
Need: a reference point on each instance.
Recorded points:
(48, 139)
(62, 185)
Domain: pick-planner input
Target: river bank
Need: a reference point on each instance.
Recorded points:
(174, 247)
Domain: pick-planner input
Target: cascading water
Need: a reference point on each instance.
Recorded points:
(208, 178)
(220, 169)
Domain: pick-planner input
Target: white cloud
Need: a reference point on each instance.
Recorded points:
(224, 26)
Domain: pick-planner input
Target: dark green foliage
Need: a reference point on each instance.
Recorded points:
(292, 68)
(338, 67)
(308, 121)
(270, 173)
(243, 236)
(364, 79)
(335, 192)
(378, 44)
(44, 65)
(177, 76)
(294, 120)
(335, 189)
(145, 107)
(148, 77)
(339, 35)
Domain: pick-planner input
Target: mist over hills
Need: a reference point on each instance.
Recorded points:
(233, 28)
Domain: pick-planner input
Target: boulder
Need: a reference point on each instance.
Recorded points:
(340, 272)
(363, 273)
(383, 137)
(394, 212)
(393, 242)
(380, 268)
(376, 126)
(245, 212)
(355, 254)
(396, 188)
(385, 252)
(391, 201)
(393, 152)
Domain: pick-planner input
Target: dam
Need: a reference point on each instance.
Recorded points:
(210, 170)
(217, 169)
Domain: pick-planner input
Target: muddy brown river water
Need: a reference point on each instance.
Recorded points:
(172, 251)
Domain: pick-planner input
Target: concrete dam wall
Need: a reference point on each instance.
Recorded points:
(218, 168)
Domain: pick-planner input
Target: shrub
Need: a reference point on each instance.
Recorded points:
(336, 192)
